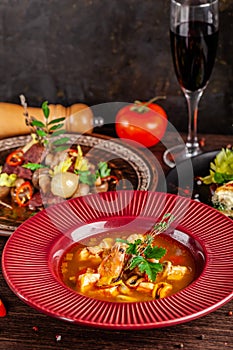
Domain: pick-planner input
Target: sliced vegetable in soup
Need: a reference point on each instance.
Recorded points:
(128, 267)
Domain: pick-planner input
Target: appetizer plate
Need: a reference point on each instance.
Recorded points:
(136, 169)
(201, 166)
(31, 258)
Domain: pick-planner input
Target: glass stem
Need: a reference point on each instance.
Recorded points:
(192, 144)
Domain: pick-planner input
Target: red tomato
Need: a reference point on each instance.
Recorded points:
(142, 122)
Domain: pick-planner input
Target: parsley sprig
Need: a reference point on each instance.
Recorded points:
(141, 254)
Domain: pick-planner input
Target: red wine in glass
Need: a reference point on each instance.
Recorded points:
(193, 47)
(194, 26)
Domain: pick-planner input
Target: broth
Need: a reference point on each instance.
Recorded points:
(80, 269)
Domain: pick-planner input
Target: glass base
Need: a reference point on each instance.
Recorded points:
(179, 153)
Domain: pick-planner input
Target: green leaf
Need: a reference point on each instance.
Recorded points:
(61, 148)
(103, 169)
(86, 177)
(228, 177)
(37, 123)
(132, 248)
(55, 127)
(151, 269)
(41, 133)
(58, 133)
(45, 109)
(154, 252)
(55, 121)
(61, 141)
(221, 169)
(219, 178)
(33, 166)
(136, 261)
(154, 269)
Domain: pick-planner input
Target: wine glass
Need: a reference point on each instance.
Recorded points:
(193, 37)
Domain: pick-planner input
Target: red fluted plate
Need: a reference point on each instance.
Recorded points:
(31, 258)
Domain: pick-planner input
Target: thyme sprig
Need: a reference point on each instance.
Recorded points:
(162, 225)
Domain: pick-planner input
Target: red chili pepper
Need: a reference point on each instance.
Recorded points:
(110, 177)
(2, 309)
(24, 194)
(15, 158)
(72, 152)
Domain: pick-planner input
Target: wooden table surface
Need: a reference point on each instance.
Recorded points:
(26, 328)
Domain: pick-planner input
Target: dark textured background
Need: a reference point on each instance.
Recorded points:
(97, 51)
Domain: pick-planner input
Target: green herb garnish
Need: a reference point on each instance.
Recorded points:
(46, 131)
(103, 170)
(34, 166)
(142, 251)
(89, 178)
(86, 177)
(221, 169)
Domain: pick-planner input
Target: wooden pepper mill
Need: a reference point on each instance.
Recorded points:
(79, 118)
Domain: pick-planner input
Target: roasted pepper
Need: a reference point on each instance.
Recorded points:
(15, 158)
(24, 194)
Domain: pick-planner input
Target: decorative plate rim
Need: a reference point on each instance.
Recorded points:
(144, 163)
(38, 287)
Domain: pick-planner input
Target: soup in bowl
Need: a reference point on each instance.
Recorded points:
(128, 261)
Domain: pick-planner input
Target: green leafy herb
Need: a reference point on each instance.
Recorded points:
(58, 132)
(45, 109)
(220, 206)
(103, 170)
(55, 121)
(221, 169)
(38, 123)
(61, 141)
(33, 166)
(144, 254)
(149, 268)
(86, 177)
(89, 178)
(162, 225)
(154, 252)
(41, 133)
(46, 131)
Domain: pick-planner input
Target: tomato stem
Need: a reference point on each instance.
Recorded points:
(137, 102)
(155, 99)
(142, 107)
